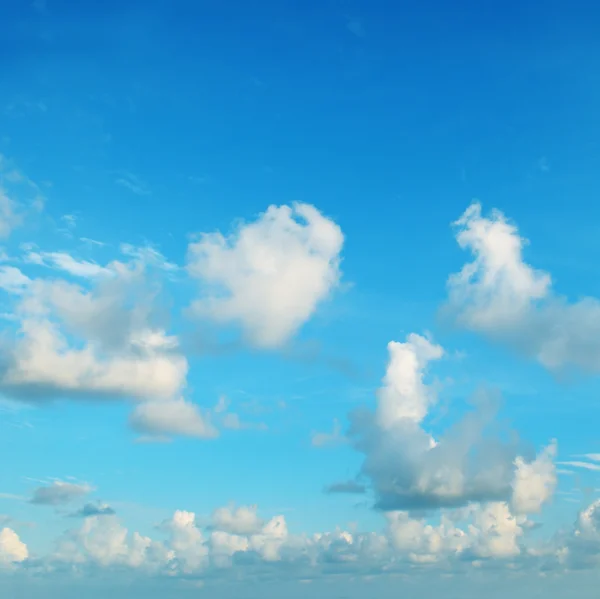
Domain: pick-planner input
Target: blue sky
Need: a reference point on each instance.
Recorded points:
(214, 217)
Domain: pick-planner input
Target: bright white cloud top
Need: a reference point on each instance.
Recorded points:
(269, 275)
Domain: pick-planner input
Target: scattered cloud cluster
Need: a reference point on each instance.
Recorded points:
(97, 331)
(237, 537)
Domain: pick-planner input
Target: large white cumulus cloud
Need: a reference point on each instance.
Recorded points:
(409, 469)
(271, 274)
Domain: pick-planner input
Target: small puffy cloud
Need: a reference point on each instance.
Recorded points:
(172, 417)
(93, 509)
(534, 482)
(242, 520)
(59, 493)
(12, 549)
(270, 275)
(502, 297)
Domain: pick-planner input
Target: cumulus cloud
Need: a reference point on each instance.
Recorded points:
(172, 417)
(187, 542)
(12, 549)
(403, 395)
(409, 469)
(270, 275)
(406, 466)
(487, 531)
(59, 493)
(73, 342)
(104, 542)
(502, 297)
(534, 482)
(242, 520)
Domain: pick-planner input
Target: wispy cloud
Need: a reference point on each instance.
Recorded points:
(355, 27)
(67, 263)
(594, 457)
(579, 464)
(133, 184)
(335, 437)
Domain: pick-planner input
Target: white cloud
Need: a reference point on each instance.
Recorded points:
(242, 520)
(501, 296)
(407, 467)
(60, 493)
(534, 483)
(67, 263)
(104, 542)
(78, 343)
(496, 532)
(42, 366)
(186, 541)
(422, 541)
(580, 464)
(403, 394)
(270, 275)
(12, 549)
(148, 255)
(172, 417)
(240, 537)
(12, 280)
